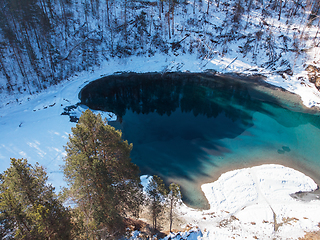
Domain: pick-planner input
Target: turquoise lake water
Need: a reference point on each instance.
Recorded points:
(189, 128)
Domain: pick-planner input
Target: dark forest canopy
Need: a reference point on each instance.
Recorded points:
(45, 41)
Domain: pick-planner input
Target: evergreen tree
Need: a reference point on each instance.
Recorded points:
(29, 208)
(156, 191)
(174, 196)
(103, 181)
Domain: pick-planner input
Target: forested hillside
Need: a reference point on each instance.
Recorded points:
(45, 41)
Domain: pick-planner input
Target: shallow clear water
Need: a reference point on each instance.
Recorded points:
(187, 128)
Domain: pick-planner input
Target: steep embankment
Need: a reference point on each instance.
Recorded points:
(44, 42)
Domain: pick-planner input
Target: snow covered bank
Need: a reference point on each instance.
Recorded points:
(252, 203)
(297, 83)
(255, 203)
(33, 128)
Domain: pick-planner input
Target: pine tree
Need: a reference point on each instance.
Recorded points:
(29, 209)
(174, 196)
(103, 181)
(156, 191)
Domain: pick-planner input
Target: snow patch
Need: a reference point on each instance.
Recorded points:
(247, 203)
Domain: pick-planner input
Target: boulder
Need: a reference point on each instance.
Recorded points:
(314, 75)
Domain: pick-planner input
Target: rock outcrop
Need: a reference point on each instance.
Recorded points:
(314, 75)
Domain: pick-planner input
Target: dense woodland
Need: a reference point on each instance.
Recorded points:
(43, 42)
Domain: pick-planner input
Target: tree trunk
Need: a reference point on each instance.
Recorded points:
(63, 10)
(108, 20)
(280, 10)
(125, 21)
(168, 18)
(5, 73)
(172, 13)
(161, 6)
(17, 53)
(171, 214)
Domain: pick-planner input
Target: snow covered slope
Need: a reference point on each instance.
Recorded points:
(265, 37)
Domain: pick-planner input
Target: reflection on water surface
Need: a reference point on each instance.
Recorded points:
(185, 127)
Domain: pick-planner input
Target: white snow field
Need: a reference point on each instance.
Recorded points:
(255, 203)
(252, 203)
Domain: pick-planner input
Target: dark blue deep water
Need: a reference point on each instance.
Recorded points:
(188, 128)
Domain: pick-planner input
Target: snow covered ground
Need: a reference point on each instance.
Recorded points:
(241, 201)
(252, 203)
(255, 203)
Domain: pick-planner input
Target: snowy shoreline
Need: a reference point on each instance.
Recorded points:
(244, 203)
(255, 203)
(33, 128)
(298, 83)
